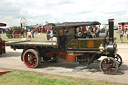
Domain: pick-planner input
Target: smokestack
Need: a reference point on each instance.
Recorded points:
(111, 29)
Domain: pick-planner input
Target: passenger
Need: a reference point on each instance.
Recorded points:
(78, 32)
(93, 32)
(79, 35)
(65, 32)
(54, 32)
(82, 29)
(97, 32)
(103, 30)
(51, 35)
(88, 34)
(48, 36)
(84, 34)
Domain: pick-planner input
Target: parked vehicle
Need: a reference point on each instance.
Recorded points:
(81, 42)
(16, 32)
(2, 42)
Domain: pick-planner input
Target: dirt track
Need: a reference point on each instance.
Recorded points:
(12, 60)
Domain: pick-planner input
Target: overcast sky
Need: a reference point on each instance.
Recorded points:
(40, 11)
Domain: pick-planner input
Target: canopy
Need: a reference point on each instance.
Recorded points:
(75, 24)
(2, 24)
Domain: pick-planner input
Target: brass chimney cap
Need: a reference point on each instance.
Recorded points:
(111, 20)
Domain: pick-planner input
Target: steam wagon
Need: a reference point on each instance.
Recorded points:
(2, 42)
(16, 32)
(82, 42)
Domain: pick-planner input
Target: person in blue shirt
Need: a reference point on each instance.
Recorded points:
(32, 34)
(121, 35)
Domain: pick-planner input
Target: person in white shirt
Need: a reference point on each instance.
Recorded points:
(51, 34)
(29, 34)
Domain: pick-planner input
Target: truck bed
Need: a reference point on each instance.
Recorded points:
(32, 43)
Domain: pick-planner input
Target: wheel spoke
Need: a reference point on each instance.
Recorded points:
(109, 66)
(30, 59)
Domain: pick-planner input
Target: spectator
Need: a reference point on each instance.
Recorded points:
(32, 33)
(29, 34)
(48, 36)
(44, 29)
(121, 35)
(127, 34)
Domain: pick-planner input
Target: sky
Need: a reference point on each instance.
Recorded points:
(54, 11)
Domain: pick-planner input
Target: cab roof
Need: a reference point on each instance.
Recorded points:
(76, 24)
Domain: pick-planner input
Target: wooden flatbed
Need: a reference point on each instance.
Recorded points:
(32, 43)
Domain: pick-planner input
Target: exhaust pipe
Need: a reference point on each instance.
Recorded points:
(111, 29)
(112, 47)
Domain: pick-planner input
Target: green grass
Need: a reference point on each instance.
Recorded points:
(33, 78)
(42, 36)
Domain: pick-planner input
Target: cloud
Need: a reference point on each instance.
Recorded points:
(11, 11)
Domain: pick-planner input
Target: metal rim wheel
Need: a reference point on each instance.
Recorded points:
(31, 58)
(118, 59)
(109, 65)
(16, 34)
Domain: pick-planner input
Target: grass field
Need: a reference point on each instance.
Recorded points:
(42, 36)
(17, 77)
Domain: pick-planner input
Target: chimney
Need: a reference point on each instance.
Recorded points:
(111, 29)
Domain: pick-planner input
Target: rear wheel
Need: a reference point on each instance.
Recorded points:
(31, 58)
(109, 65)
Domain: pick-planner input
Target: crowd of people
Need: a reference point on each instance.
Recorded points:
(30, 33)
(123, 33)
(81, 32)
(88, 32)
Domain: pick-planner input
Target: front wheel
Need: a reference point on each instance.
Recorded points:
(31, 58)
(109, 65)
(118, 59)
